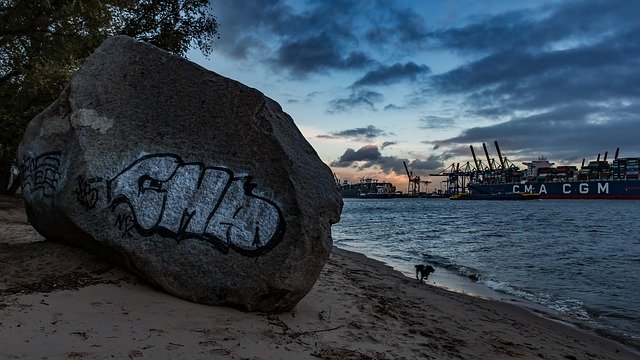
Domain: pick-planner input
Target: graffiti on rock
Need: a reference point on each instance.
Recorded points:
(124, 223)
(179, 200)
(40, 174)
(86, 191)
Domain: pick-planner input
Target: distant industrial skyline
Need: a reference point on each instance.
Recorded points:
(373, 84)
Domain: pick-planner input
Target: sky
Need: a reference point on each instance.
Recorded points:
(373, 84)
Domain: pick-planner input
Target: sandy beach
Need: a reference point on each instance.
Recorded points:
(57, 302)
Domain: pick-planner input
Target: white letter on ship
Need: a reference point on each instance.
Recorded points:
(543, 189)
(528, 188)
(604, 188)
(584, 188)
(565, 190)
(516, 188)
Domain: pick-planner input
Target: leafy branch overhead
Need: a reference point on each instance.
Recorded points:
(42, 43)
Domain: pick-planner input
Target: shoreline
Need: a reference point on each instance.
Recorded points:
(62, 302)
(449, 280)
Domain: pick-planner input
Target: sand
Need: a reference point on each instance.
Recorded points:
(58, 302)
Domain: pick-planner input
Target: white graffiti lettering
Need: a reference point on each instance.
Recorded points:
(181, 200)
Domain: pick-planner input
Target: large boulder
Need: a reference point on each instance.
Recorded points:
(196, 182)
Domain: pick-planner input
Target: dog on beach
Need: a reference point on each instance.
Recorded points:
(424, 271)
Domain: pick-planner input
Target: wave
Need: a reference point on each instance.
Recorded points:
(446, 263)
(564, 306)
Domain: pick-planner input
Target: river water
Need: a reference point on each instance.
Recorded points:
(579, 259)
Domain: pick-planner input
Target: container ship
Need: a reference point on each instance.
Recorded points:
(597, 179)
(367, 188)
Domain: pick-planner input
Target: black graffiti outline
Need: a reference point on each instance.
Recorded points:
(87, 195)
(41, 173)
(125, 223)
(182, 234)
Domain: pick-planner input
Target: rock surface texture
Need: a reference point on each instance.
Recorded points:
(197, 183)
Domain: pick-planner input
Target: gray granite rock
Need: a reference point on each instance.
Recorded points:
(198, 183)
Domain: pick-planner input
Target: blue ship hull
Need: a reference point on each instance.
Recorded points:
(594, 189)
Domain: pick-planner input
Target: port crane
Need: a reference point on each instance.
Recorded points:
(456, 176)
(414, 180)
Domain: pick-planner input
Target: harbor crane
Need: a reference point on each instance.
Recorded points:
(499, 155)
(456, 176)
(414, 181)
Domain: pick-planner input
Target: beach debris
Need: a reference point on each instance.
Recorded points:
(195, 182)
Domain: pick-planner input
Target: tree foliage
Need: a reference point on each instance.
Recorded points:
(43, 42)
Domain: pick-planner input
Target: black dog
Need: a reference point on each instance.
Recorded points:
(424, 271)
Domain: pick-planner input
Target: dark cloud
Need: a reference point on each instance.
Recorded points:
(324, 36)
(451, 149)
(385, 75)
(535, 64)
(317, 54)
(524, 81)
(400, 27)
(566, 133)
(359, 98)
(364, 133)
(562, 78)
(369, 156)
(392, 107)
(431, 163)
(387, 143)
(243, 24)
(542, 27)
(313, 94)
(436, 122)
(350, 156)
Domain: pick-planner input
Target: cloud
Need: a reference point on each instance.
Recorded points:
(385, 75)
(393, 107)
(319, 37)
(556, 77)
(317, 54)
(400, 27)
(315, 36)
(436, 122)
(566, 133)
(364, 133)
(360, 98)
(350, 156)
(370, 156)
(244, 23)
(431, 163)
(387, 143)
(524, 81)
(313, 94)
(576, 52)
(544, 27)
